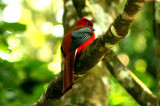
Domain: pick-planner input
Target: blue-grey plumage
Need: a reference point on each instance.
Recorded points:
(79, 37)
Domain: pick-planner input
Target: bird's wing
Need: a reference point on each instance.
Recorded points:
(79, 37)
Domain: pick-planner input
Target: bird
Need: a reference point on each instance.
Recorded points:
(73, 43)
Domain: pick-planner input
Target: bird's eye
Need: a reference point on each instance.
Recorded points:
(88, 23)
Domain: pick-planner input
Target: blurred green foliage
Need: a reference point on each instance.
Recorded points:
(12, 27)
(140, 46)
(30, 51)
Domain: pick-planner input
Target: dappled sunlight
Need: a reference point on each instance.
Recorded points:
(39, 4)
(11, 57)
(15, 56)
(72, 22)
(140, 44)
(59, 15)
(98, 30)
(54, 67)
(26, 17)
(13, 42)
(116, 48)
(58, 4)
(47, 27)
(45, 54)
(57, 31)
(123, 57)
(35, 37)
(18, 35)
(13, 53)
(140, 65)
(12, 13)
(12, 2)
(4, 56)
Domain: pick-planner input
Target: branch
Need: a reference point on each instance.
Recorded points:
(118, 30)
(79, 5)
(129, 81)
(138, 89)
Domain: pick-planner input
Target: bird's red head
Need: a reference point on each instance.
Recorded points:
(86, 22)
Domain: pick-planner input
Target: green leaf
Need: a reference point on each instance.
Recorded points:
(16, 27)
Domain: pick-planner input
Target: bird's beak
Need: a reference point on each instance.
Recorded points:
(93, 28)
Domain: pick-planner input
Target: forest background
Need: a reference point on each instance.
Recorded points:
(31, 32)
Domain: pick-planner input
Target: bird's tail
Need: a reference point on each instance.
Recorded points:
(68, 77)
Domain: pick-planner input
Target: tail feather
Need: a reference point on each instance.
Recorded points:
(68, 77)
